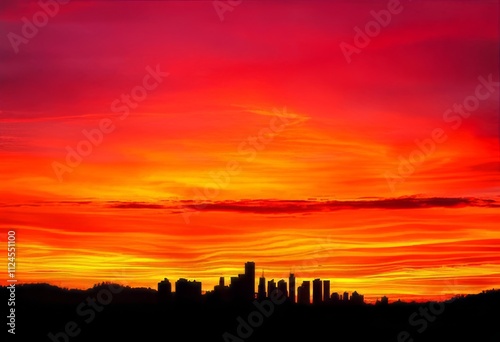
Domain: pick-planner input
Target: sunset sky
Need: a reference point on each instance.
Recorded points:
(205, 143)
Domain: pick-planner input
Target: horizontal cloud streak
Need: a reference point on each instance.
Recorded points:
(303, 206)
(270, 206)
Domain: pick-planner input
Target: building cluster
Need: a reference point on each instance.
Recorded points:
(185, 290)
(242, 288)
(321, 294)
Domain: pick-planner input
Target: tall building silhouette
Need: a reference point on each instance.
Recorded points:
(250, 279)
(164, 289)
(304, 292)
(282, 288)
(317, 291)
(291, 284)
(243, 286)
(238, 288)
(220, 292)
(271, 286)
(261, 295)
(326, 290)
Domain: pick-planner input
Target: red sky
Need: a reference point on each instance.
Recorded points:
(126, 211)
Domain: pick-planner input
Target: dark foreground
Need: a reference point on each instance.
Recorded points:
(47, 313)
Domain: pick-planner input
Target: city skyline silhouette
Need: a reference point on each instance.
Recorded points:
(242, 288)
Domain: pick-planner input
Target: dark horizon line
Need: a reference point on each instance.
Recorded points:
(107, 283)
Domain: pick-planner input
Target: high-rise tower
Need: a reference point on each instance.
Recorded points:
(250, 278)
(291, 289)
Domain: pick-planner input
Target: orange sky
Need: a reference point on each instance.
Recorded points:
(299, 156)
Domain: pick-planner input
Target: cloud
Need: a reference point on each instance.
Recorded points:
(136, 205)
(305, 206)
(271, 206)
(281, 113)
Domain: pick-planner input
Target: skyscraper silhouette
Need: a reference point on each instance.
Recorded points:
(250, 279)
(317, 291)
(164, 290)
(291, 280)
(242, 287)
(304, 292)
(262, 288)
(282, 288)
(326, 290)
(271, 286)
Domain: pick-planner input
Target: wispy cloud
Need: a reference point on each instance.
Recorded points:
(275, 206)
(304, 206)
